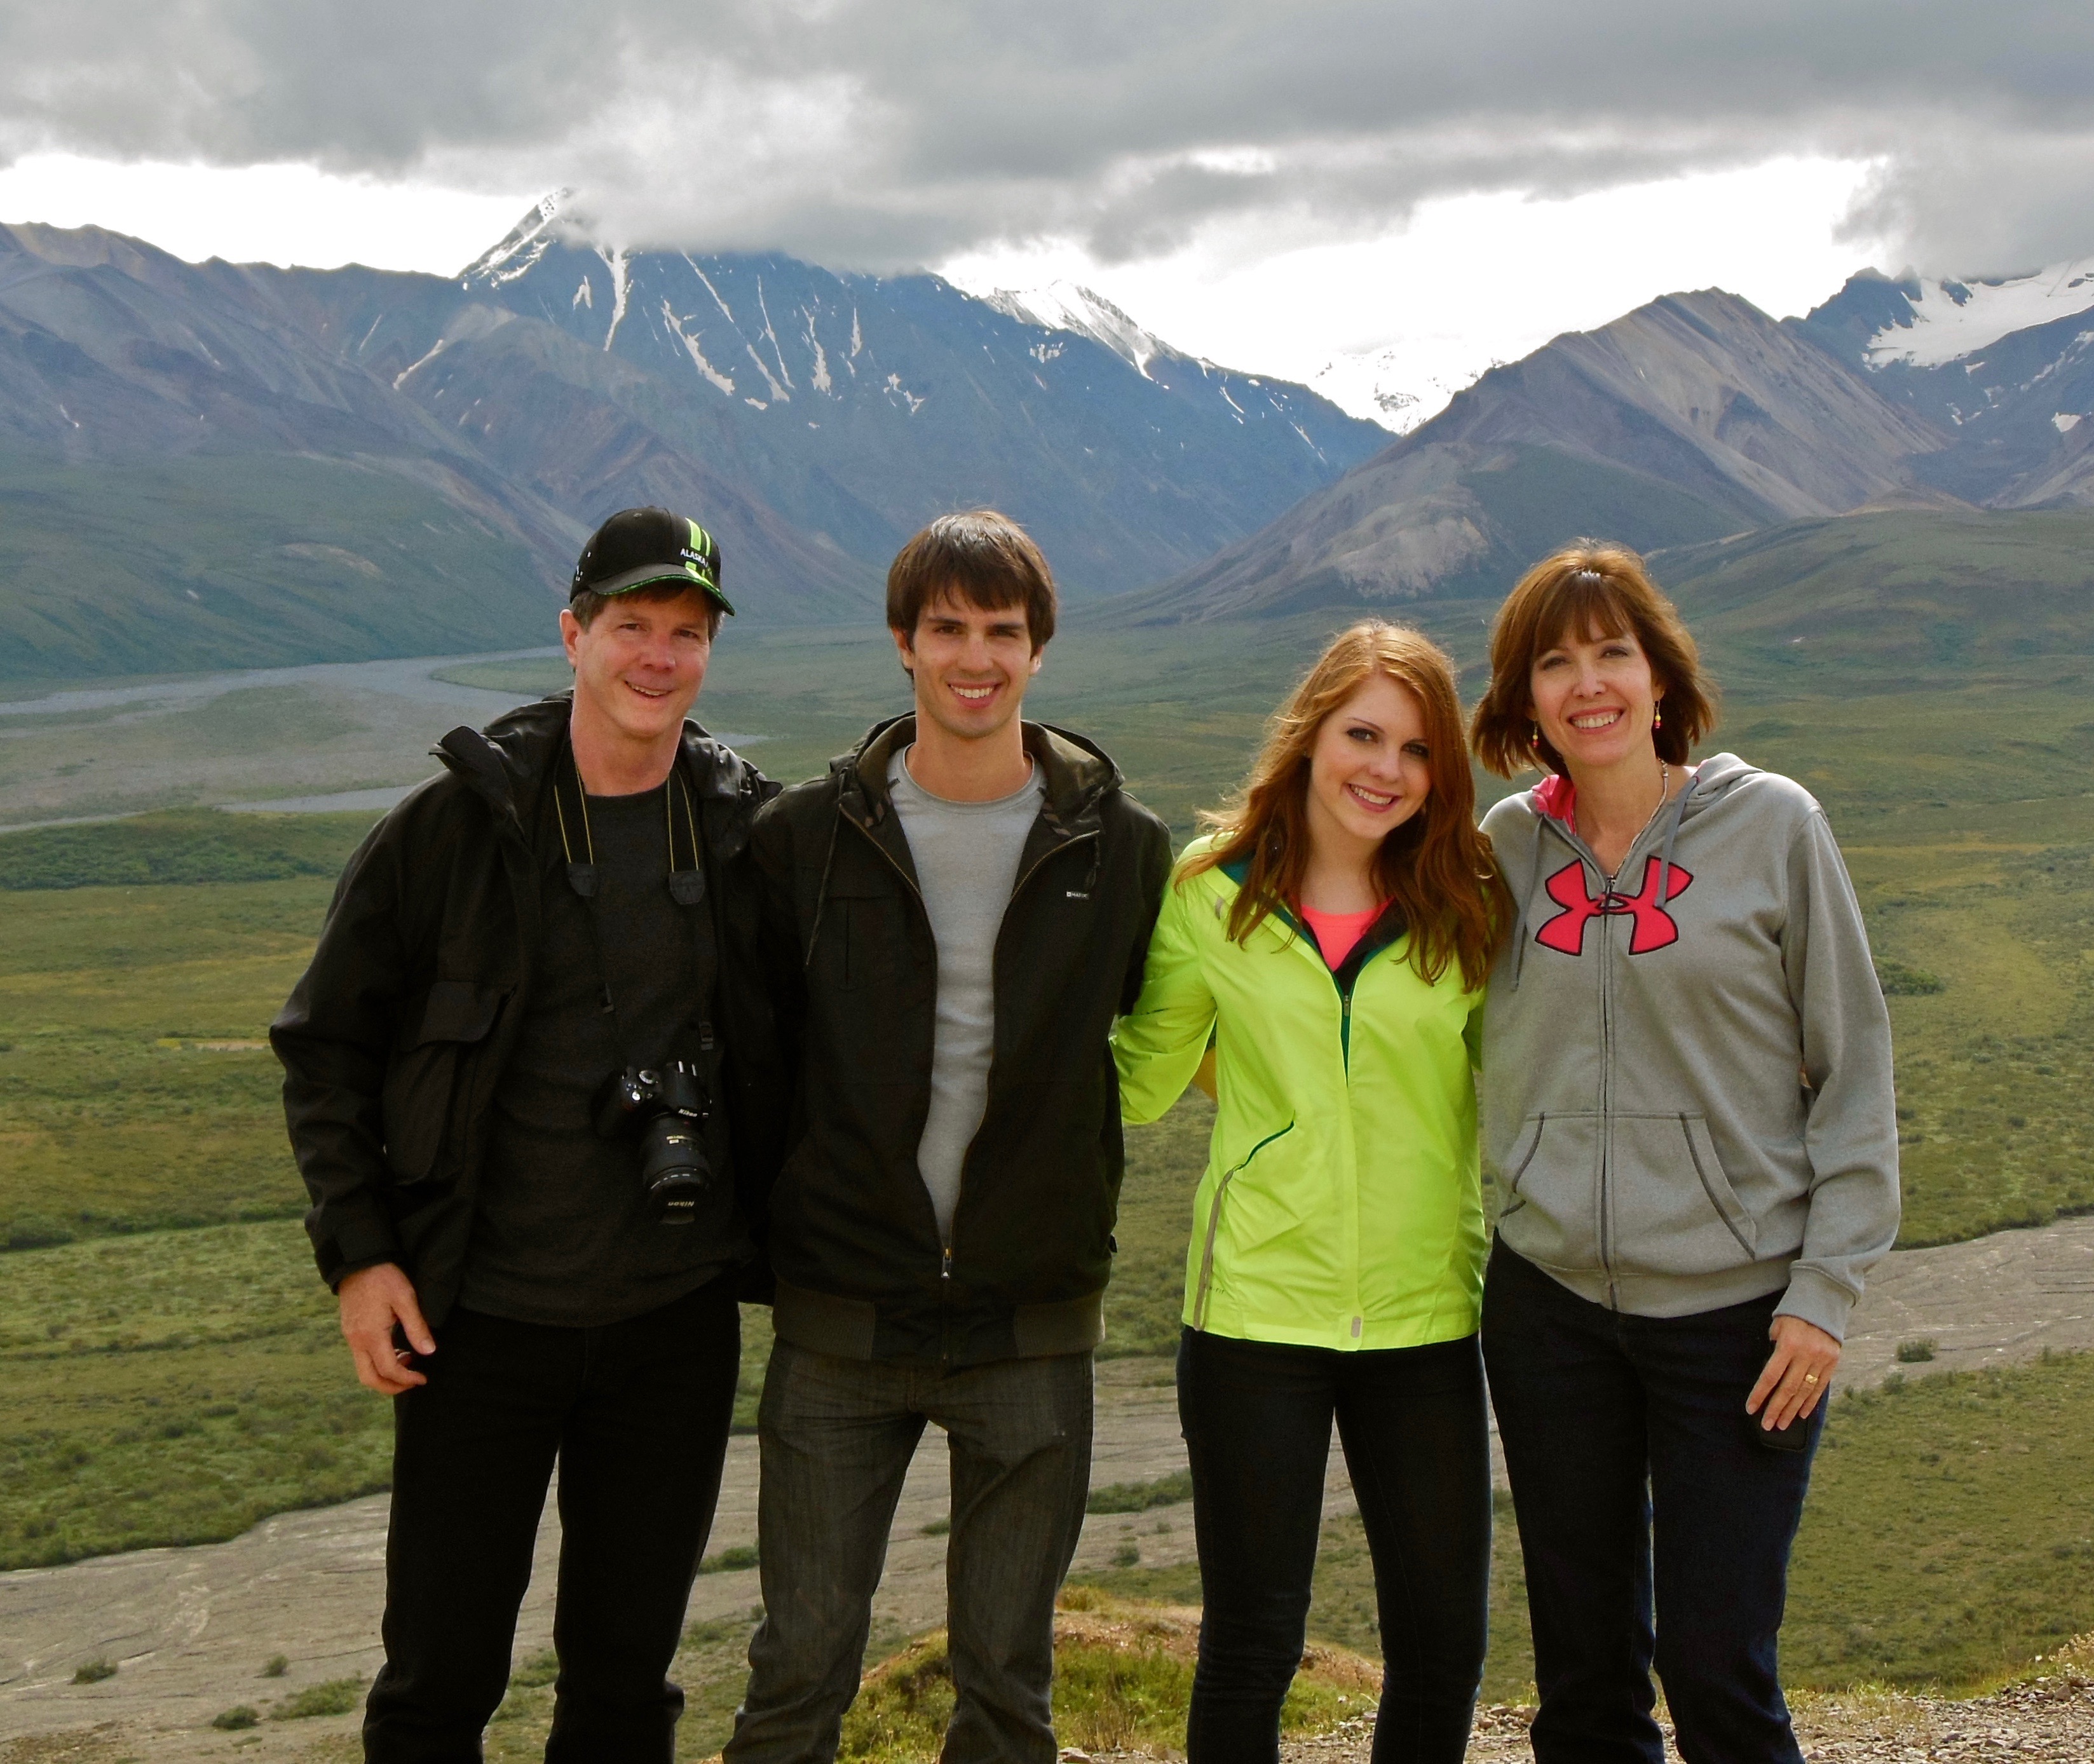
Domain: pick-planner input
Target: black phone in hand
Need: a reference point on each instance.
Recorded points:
(1794, 1437)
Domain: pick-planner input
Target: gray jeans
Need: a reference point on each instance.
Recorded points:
(836, 1437)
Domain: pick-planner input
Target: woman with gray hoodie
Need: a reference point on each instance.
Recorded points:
(1687, 1112)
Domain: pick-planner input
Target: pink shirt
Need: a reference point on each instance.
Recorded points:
(1336, 933)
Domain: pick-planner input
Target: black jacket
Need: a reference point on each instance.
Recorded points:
(853, 1241)
(395, 1039)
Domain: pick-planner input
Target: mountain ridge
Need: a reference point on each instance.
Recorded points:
(813, 418)
(1695, 415)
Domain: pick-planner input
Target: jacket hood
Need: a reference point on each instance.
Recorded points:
(1077, 773)
(506, 764)
(1555, 797)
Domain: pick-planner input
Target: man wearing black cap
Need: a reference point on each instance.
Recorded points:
(530, 1086)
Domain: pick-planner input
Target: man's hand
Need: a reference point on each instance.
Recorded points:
(373, 1301)
(1798, 1372)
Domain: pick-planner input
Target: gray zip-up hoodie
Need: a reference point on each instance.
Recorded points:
(1687, 1078)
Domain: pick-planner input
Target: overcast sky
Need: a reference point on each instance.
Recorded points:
(1266, 181)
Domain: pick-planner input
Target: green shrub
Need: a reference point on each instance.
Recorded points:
(1898, 980)
(1140, 1496)
(239, 1716)
(94, 1672)
(1915, 1352)
(1122, 1683)
(728, 1561)
(337, 1697)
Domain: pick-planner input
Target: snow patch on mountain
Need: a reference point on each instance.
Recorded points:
(519, 252)
(1391, 386)
(616, 261)
(1946, 320)
(1071, 306)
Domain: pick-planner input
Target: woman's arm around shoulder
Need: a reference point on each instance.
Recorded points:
(1158, 1044)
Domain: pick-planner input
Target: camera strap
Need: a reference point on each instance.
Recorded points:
(687, 888)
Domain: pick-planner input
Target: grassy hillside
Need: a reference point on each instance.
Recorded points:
(1892, 601)
(182, 846)
(218, 561)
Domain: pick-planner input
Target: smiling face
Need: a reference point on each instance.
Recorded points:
(1594, 698)
(638, 665)
(971, 666)
(1369, 771)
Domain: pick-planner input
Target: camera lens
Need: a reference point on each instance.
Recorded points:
(673, 1170)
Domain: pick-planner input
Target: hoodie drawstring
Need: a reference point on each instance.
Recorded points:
(1671, 833)
(1520, 906)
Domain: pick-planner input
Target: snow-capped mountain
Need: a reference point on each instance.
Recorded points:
(2004, 364)
(815, 419)
(1941, 322)
(1070, 306)
(854, 406)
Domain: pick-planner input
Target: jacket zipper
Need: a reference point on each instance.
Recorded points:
(988, 1083)
(1606, 1209)
(1214, 1223)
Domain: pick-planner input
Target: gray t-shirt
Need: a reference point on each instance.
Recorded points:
(967, 856)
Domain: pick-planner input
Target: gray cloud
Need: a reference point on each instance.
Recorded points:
(869, 133)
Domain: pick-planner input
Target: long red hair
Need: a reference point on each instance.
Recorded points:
(1437, 867)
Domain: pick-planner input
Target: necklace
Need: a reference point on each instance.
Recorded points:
(1664, 792)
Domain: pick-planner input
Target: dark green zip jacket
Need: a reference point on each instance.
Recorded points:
(395, 1038)
(853, 1241)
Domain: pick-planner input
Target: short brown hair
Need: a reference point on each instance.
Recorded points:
(586, 604)
(1437, 865)
(1602, 590)
(985, 559)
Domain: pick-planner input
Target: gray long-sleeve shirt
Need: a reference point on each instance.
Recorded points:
(1687, 1096)
(967, 856)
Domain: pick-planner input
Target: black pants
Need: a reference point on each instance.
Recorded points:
(636, 1414)
(1617, 1428)
(1257, 1417)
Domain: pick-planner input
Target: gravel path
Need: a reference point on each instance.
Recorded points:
(189, 1629)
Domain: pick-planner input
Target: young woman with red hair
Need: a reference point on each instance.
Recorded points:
(1330, 937)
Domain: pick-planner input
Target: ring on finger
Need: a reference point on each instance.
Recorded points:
(1809, 1378)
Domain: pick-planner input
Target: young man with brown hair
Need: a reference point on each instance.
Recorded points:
(954, 915)
(535, 1260)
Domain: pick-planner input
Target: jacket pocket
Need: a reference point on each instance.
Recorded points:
(1214, 1223)
(1675, 1210)
(427, 1075)
(1550, 1182)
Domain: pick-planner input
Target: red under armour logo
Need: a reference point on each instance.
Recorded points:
(1654, 926)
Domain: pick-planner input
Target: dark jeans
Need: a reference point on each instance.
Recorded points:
(636, 1414)
(1257, 1417)
(1637, 1483)
(837, 1435)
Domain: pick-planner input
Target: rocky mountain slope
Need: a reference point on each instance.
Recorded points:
(1695, 416)
(1692, 419)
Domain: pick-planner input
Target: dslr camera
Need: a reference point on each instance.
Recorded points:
(665, 1110)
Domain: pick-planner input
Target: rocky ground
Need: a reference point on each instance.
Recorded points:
(2049, 1720)
(189, 1630)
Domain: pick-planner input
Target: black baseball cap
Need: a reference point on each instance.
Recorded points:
(639, 547)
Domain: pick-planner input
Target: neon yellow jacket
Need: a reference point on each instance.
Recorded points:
(1342, 1205)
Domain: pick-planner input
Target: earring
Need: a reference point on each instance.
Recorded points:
(1534, 740)
(1657, 718)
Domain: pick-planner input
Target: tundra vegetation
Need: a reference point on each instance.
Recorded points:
(172, 1369)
